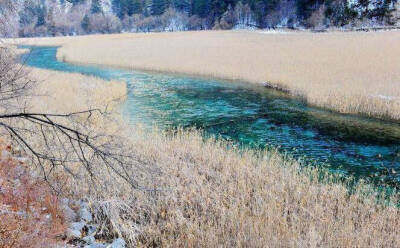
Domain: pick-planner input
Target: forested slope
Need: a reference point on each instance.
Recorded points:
(71, 17)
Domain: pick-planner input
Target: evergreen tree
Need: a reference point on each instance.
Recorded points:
(158, 7)
(130, 7)
(261, 8)
(218, 7)
(85, 23)
(121, 8)
(51, 26)
(76, 2)
(147, 8)
(27, 14)
(95, 8)
(206, 13)
(201, 8)
(306, 7)
(116, 7)
(137, 7)
(41, 16)
(183, 5)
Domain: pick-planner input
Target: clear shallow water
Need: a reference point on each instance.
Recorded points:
(252, 116)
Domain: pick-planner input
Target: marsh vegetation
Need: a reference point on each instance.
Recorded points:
(196, 192)
(346, 72)
(180, 188)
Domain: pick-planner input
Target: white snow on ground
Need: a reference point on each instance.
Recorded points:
(244, 27)
(274, 31)
(390, 98)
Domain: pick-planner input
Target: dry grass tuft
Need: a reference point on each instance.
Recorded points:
(348, 72)
(63, 93)
(72, 92)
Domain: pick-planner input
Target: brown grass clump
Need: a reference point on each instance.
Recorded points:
(63, 93)
(352, 72)
(29, 212)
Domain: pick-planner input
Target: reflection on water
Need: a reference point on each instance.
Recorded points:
(252, 117)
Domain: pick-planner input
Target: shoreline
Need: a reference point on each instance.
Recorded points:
(287, 92)
(243, 83)
(333, 70)
(212, 195)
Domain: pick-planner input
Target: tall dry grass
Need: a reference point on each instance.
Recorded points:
(352, 72)
(202, 194)
(64, 93)
(73, 92)
(206, 193)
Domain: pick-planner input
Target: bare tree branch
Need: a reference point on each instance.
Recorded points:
(53, 140)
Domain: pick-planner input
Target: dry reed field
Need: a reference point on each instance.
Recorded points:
(352, 72)
(30, 211)
(213, 197)
(60, 92)
(199, 193)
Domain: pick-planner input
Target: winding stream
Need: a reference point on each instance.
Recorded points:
(252, 116)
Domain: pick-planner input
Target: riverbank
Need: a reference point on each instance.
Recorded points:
(350, 72)
(198, 192)
(33, 214)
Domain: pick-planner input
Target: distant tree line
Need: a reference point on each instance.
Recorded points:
(70, 17)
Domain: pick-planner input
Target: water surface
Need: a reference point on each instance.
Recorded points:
(252, 116)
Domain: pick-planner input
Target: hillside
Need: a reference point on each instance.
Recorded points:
(74, 17)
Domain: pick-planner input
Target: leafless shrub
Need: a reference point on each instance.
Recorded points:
(395, 16)
(195, 23)
(244, 15)
(8, 19)
(14, 83)
(173, 20)
(316, 20)
(228, 19)
(104, 23)
(151, 23)
(53, 140)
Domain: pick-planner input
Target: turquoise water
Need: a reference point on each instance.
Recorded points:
(252, 116)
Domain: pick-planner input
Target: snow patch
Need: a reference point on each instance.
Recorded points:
(390, 98)
(274, 31)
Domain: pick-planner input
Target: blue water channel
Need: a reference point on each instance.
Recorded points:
(252, 116)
